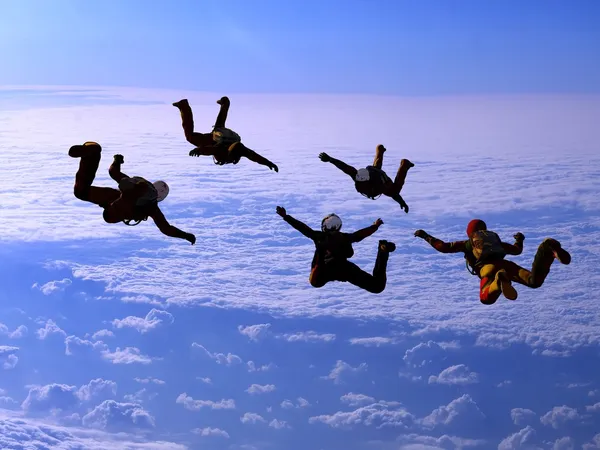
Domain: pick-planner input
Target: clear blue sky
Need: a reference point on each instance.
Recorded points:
(367, 46)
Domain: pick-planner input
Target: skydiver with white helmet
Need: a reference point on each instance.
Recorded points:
(223, 144)
(372, 181)
(134, 201)
(333, 248)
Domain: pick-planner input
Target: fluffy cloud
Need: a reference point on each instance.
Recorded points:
(307, 336)
(341, 369)
(564, 443)
(455, 375)
(375, 341)
(49, 328)
(113, 416)
(7, 356)
(252, 418)
(255, 332)
(521, 416)
(302, 403)
(149, 380)
(252, 367)
(19, 332)
(101, 334)
(381, 414)
(260, 389)
(211, 432)
(128, 355)
(559, 415)
(522, 439)
(153, 319)
(444, 442)
(461, 407)
(426, 352)
(352, 399)
(196, 405)
(227, 360)
(53, 286)
(278, 424)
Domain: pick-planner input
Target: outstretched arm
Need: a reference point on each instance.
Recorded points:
(253, 156)
(517, 247)
(401, 201)
(169, 230)
(348, 170)
(441, 246)
(359, 235)
(300, 226)
(115, 169)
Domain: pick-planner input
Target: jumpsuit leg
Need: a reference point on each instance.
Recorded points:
(350, 272)
(187, 123)
(90, 154)
(405, 164)
(378, 161)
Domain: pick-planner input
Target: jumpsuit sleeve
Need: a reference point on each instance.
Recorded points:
(447, 247)
(301, 227)
(513, 249)
(348, 170)
(165, 227)
(359, 235)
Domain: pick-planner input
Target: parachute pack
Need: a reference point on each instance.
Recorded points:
(485, 246)
(146, 202)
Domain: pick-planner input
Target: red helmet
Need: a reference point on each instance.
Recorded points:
(475, 225)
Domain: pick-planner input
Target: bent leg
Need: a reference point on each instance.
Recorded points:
(549, 250)
(378, 161)
(187, 123)
(496, 280)
(90, 154)
(319, 276)
(375, 283)
(222, 116)
(405, 164)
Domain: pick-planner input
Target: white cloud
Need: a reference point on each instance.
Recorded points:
(128, 355)
(254, 368)
(227, 360)
(112, 415)
(19, 332)
(140, 396)
(307, 336)
(205, 380)
(255, 332)
(564, 443)
(10, 362)
(153, 319)
(341, 368)
(7, 356)
(252, 418)
(379, 414)
(593, 408)
(196, 405)
(460, 408)
(97, 388)
(102, 333)
(521, 416)
(426, 352)
(594, 444)
(149, 380)
(278, 424)
(49, 328)
(375, 341)
(260, 389)
(353, 399)
(301, 403)
(286, 404)
(519, 440)
(53, 286)
(455, 375)
(559, 415)
(211, 432)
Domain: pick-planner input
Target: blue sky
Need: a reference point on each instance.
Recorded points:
(383, 47)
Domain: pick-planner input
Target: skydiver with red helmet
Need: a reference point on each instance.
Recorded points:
(485, 252)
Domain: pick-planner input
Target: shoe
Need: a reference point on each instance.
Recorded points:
(408, 163)
(559, 253)
(505, 285)
(387, 246)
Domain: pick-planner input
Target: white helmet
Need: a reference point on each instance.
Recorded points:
(362, 175)
(162, 189)
(332, 222)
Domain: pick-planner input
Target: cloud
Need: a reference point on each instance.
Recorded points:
(301, 403)
(114, 416)
(593, 408)
(196, 405)
(426, 352)
(375, 341)
(342, 368)
(260, 389)
(128, 355)
(308, 336)
(140, 396)
(521, 416)
(19, 332)
(594, 444)
(102, 333)
(153, 320)
(7, 356)
(278, 424)
(559, 415)
(255, 332)
(461, 407)
(227, 360)
(254, 368)
(53, 286)
(519, 440)
(564, 443)
(149, 380)
(205, 380)
(379, 414)
(217, 432)
(352, 399)
(444, 442)
(97, 388)
(252, 418)
(455, 375)
(49, 328)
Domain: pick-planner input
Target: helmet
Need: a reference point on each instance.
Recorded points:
(475, 225)
(162, 189)
(362, 175)
(332, 222)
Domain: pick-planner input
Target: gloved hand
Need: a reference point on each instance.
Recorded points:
(119, 159)
(273, 167)
(324, 157)
(404, 206)
(224, 101)
(378, 223)
(281, 211)
(190, 238)
(196, 152)
(519, 237)
(421, 234)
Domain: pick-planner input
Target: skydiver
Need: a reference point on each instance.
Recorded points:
(333, 248)
(223, 144)
(135, 200)
(372, 181)
(485, 252)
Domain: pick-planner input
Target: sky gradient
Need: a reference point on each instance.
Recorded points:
(398, 47)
